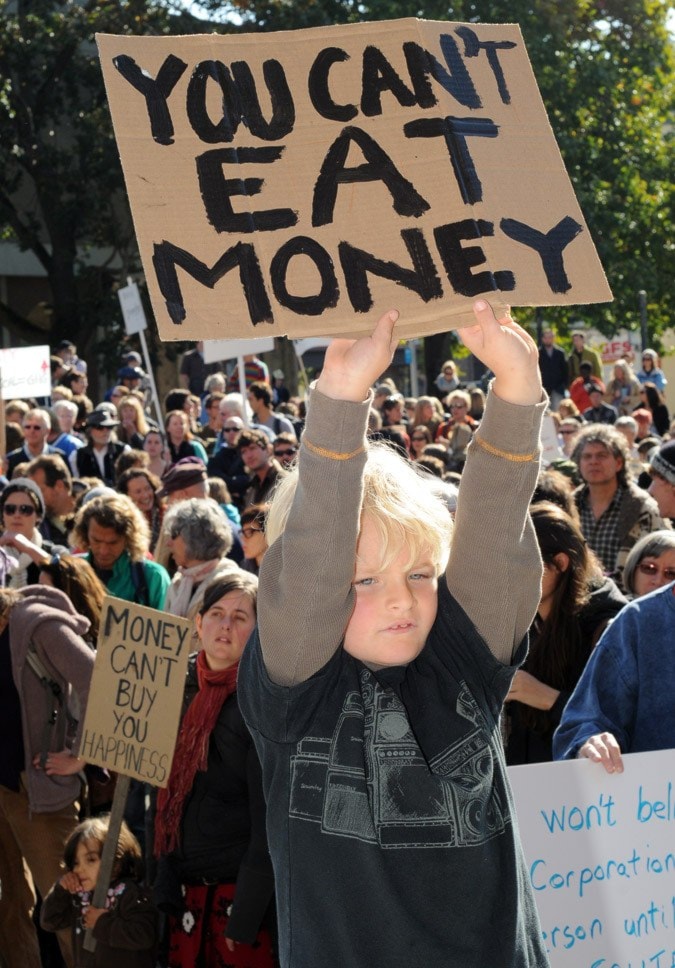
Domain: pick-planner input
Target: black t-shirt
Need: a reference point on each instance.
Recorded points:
(390, 818)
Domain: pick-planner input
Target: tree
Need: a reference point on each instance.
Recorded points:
(62, 192)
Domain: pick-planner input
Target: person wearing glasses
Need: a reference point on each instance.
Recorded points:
(226, 461)
(650, 564)
(459, 404)
(36, 425)
(285, 448)
(23, 508)
(253, 537)
(651, 371)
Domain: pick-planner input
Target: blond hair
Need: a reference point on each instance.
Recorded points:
(402, 504)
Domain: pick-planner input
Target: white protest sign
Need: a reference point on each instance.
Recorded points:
(136, 691)
(25, 372)
(132, 309)
(600, 849)
(549, 441)
(230, 349)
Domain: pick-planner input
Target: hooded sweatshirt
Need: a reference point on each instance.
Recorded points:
(46, 618)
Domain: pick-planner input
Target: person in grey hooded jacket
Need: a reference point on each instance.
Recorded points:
(45, 671)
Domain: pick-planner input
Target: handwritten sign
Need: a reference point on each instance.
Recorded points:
(136, 691)
(25, 372)
(298, 183)
(601, 856)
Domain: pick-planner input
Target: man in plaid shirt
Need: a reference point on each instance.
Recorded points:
(614, 512)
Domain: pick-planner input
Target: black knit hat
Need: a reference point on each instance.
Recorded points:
(663, 461)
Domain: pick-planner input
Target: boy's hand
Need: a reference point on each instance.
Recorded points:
(353, 365)
(70, 882)
(508, 351)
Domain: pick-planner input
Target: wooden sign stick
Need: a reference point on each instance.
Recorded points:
(108, 854)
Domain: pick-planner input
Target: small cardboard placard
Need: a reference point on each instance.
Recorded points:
(136, 693)
(599, 849)
(304, 182)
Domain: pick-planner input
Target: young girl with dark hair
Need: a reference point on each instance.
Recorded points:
(577, 602)
(127, 926)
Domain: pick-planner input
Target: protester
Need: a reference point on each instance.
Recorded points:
(381, 688)
(116, 537)
(199, 538)
(285, 449)
(143, 488)
(580, 388)
(53, 478)
(582, 354)
(553, 368)
(154, 446)
(214, 873)
(576, 604)
(447, 379)
(180, 439)
(97, 458)
(614, 512)
(252, 534)
(652, 400)
(651, 371)
(623, 702)
(125, 929)
(36, 426)
(623, 390)
(45, 664)
(133, 422)
(420, 437)
(650, 564)
(75, 577)
(255, 451)
(226, 461)
(22, 509)
(598, 412)
(662, 487)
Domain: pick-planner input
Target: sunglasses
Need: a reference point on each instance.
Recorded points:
(249, 532)
(33, 427)
(230, 430)
(458, 406)
(24, 509)
(649, 569)
(284, 453)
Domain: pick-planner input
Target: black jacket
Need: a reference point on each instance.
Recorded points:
(223, 837)
(87, 465)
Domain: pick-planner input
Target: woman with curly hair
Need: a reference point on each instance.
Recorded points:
(576, 604)
(143, 488)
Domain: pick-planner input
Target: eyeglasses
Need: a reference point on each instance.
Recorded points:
(249, 532)
(230, 430)
(285, 453)
(650, 570)
(24, 509)
(33, 427)
(458, 406)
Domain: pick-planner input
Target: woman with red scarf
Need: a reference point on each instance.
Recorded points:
(214, 875)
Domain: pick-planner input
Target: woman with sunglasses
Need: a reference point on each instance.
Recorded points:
(650, 564)
(22, 508)
(252, 536)
(651, 370)
(419, 438)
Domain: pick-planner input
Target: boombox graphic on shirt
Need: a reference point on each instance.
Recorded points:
(371, 781)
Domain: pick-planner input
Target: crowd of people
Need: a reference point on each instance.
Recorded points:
(97, 498)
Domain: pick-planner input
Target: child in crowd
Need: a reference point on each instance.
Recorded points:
(126, 928)
(373, 683)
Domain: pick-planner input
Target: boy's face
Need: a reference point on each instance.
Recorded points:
(395, 606)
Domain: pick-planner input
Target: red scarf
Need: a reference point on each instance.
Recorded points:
(192, 750)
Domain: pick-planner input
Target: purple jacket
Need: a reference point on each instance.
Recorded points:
(46, 617)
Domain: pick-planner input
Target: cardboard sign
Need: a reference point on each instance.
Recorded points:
(601, 856)
(304, 182)
(136, 691)
(25, 372)
(216, 350)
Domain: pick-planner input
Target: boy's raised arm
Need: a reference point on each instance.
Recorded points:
(306, 595)
(494, 570)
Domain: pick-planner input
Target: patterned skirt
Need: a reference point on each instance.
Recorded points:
(197, 937)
